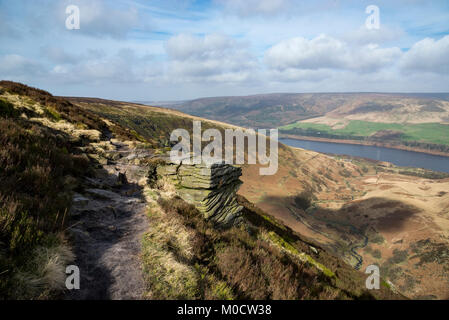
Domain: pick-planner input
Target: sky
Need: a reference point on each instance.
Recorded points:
(166, 50)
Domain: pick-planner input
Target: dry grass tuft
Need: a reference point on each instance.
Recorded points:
(44, 272)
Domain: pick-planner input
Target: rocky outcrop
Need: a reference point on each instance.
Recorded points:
(210, 188)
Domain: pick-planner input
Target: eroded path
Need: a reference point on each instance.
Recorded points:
(108, 220)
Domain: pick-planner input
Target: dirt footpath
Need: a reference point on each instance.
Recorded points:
(108, 222)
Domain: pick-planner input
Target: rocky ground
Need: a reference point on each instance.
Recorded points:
(109, 220)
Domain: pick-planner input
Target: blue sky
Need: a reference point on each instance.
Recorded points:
(173, 50)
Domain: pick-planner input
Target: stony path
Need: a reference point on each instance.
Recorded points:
(108, 221)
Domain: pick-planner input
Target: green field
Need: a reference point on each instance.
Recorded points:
(434, 133)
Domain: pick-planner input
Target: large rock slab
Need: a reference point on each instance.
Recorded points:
(210, 188)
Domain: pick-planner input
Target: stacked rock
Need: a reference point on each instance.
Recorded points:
(210, 188)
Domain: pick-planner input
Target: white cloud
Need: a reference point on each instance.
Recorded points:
(246, 56)
(324, 52)
(99, 19)
(125, 66)
(371, 58)
(301, 53)
(59, 55)
(210, 58)
(17, 65)
(298, 75)
(185, 46)
(428, 55)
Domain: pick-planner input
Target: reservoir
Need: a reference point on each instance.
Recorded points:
(401, 158)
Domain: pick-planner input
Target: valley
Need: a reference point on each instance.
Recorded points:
(134, 232)
(366, 211)
(355, 208)
(324, 218)
(366, 214)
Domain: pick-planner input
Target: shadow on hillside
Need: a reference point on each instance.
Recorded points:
(355, 217)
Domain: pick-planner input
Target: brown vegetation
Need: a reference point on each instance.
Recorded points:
(36, 171)
(39, 170)
(262, 259)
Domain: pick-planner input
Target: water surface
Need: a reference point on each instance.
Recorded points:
(401, 158)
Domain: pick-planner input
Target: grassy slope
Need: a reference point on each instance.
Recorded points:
(252, 111)
(35, 165)
(425, 132)
(152, 124)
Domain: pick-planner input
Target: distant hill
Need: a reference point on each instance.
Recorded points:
(414, 121)
(278, 109)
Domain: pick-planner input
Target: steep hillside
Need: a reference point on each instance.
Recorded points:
(365, 212)
(79, 191)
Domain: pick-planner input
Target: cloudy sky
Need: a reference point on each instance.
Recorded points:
(172, 50)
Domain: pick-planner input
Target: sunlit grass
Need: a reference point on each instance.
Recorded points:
(423, 132)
